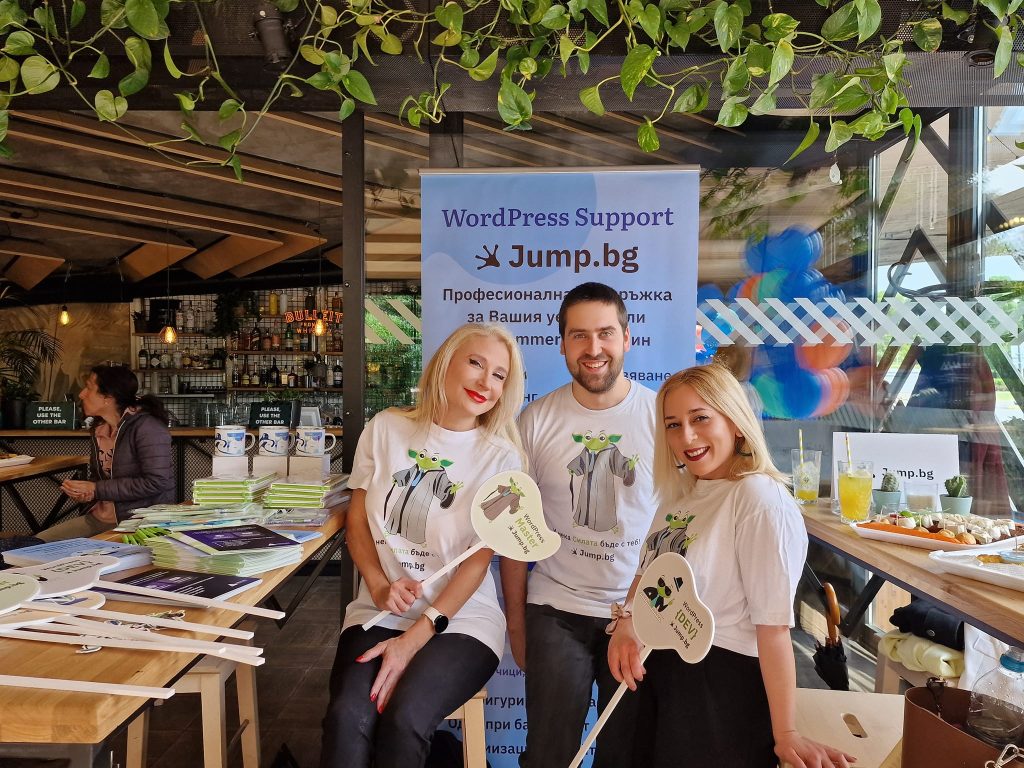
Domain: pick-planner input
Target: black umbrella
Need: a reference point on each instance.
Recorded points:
(830, 658)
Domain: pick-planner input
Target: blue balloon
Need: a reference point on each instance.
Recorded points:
(709, 291)
(799, 248)
(730, 295)
(801, 393)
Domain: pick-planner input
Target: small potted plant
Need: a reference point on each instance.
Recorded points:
(955, 500)
(889, 492)
(139, 322)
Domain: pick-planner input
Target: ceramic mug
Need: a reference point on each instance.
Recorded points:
(275, 440)
(312, 441)
(232, 440)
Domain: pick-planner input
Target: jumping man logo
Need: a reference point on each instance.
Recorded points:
(591, 479)
(420, 485)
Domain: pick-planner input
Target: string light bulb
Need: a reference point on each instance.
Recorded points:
(319, 329)
(65, 316)
(169, 334)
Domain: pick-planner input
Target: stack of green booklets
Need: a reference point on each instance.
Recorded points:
(192, 515)
(307, 494)
(241, 550)
(231, 490)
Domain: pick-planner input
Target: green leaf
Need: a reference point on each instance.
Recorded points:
(236, 165)
(809, 138)
(694, 99)
(999, 8)
(311, 54)
(337, 63)
(391, 45)
(328, 16)
(228, 107)
(193, 134)
(470, 58)
(133, 83)
(894, 63)
(39, 75)
(778, 26)
(647, 137)
(6, 152)
(650, 22)
(348, 106)
(957, 17)
(728, 23)
(447, 38)
(698, 18)
(527, 66)
(839, 135)
(77, 13)
(514, 104)
(5, 120)
(889, 101)
(112, 14)
(230, 140)
(486, 68)
(9, 69)
(450, 16)
(1003, 50)
(20, 43)
(44, 18)
(679, 33)
(850, 98)
(142, 17)
(782, 61)
(110, 107)
(555, 17)
(591, 99)
(765, 102)
(733, 112)
(185, 101)
(928, 34)
(565, 49)
(870, 125)
(169, 65)
(736, 77)
(635, 67)
(759, 59)
(358, 87)
(869, 18)
(599, 10)
(841, 25)
(824, 88)
(322, 80)
(138, 53)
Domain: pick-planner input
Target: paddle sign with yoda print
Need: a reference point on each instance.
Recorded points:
(508, 517)
(667, 615)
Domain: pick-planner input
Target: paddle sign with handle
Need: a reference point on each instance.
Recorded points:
(667, 615)
(507, 515)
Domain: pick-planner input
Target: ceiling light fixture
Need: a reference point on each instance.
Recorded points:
(65, 316)
(168, 333)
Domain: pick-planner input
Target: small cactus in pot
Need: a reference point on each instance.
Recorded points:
(956, 499)
(888, 493)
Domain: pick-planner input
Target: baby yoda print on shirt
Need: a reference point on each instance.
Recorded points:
(414, 491)
(672, 538)
(592, 478)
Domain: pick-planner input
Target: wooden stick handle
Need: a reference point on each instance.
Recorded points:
(431, 579)
(114, 630)
(585, 747)
(205, 602)
(188, 626)
(110, 689)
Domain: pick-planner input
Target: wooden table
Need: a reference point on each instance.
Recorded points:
(77, 721)
(41, 466)
(996, 610)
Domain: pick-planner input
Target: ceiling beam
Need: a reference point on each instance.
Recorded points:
(15, 246)
(85, 225)
(632, 149)
(527, 137)
(291, 246)
(334, 128)
(664, 130)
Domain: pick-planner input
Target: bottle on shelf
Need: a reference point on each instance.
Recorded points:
(319, 372)
(275, 341)
(179, 318)
(336, 372)
(186, 359)
(244, 380)
(154, 359)
(310, 299)
(274, 305)
(177, 359)
(190, 318)
(255, 338)
(264, 371)
(282, 302)
(996, 711)
(267, 341)
(293, 379)
(289, 338)
(304, 342)
(200, 321)
(230, 371)
(274, 377)
(143, 359)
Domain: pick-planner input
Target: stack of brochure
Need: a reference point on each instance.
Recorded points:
(242, 550)
(213, 586)
(307, 494)
(231, 490)
(192, 515)
(128, 555)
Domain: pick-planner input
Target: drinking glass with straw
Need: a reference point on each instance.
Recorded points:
(806, 473)
(855, 479)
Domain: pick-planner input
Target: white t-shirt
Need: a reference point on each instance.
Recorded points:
(418, 523)
(594, 473)
(746, 542)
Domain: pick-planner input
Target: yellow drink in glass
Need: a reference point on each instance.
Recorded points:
(855, 480)
(806, 474)
(807, 495)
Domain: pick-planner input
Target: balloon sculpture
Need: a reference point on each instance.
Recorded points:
(799, 380)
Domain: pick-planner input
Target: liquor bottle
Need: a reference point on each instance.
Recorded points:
(176, 359)
(143, 359)
(274, 378)
(274, 305)
(275, 339)
(190, 318)
(236, 377)
(289, 339)
(154, 359)
(200, 322)
(310, 299)
(337, 371)
(179, 319)
(282, 302)
(254, 338)
(186, 359)
(245, 380)
(293, 379)
(304, 342)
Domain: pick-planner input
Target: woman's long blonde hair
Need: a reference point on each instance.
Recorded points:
(717, 387)
(432, 404)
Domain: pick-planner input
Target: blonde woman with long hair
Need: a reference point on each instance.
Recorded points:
(414, 475)
(724, 506)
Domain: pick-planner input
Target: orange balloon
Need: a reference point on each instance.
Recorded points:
(749, 288)
(828, 354)
(839, 390)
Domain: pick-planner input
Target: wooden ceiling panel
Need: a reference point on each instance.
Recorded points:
(291, 246)
(28, 271)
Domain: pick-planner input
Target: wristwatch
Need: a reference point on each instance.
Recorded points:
(438, 619)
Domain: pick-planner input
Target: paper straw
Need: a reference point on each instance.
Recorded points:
(801, 433)
(849, 454)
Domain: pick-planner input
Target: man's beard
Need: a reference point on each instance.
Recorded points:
(598, 383)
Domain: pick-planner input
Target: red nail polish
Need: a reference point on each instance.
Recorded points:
(373, 697)
(380, 709)
(359, 658)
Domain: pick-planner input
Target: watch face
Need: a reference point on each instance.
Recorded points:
(440, 623)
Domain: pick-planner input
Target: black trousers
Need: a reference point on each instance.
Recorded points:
(708, 715)
(446, 673)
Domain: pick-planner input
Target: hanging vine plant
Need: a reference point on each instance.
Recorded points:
(751, 55)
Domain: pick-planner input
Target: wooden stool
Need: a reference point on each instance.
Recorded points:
(474, 743)
(888, 674)
(833, 717)
(207, 678)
